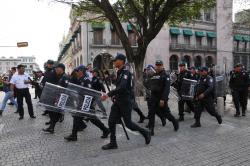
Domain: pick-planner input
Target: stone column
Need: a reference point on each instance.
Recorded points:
(224, 28)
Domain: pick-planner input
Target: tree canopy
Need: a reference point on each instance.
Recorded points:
(149, 15)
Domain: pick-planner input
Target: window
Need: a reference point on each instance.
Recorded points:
(209, 61)
(198, 41)
(207, 15)
(198, 17)
(245, 46)
(7, 63)
(78, 62)
(74, 63)
(114, 38)
(187, 40)
(174, 39)
(173, 62)
(210, 42)
(197, 62)
(132, 38)
(81, 62)
(98, 36)
(31, 66)
(187, 60)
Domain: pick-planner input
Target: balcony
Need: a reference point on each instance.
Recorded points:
(242, 50)
(187, 47)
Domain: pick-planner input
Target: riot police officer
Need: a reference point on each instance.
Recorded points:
(135, 106)
(96, 82)
(122, 106)
(57, 77)
(193, 74)
(204, 98)
(149, 71)
(239, 84)
(48, 74)
(183, 74)
(160, 88)
(84, 81)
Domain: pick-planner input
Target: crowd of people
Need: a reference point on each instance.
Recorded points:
(157, 84)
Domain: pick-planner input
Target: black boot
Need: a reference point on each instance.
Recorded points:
(196, 124)
(147, 135)
(243, 113)
(181, 118)
(142, 118)
(49, 130)
(47, 123)
(111, 145)
(105, 133)
(176, 125)
(45, 113)
(61, 119)
(71, 137)
(237, 115)
(163, 121)
(219, 119)
(1, 112)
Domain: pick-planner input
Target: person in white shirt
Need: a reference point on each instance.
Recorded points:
(21, 82)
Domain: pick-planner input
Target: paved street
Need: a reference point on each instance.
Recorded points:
(23, 143)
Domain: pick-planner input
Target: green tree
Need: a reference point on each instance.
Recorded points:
(149, 15)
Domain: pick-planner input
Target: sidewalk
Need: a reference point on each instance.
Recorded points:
(23, 142)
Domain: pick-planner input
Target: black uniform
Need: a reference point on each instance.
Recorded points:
(181, 76)
(135, 106)
(205, 86)
(97, 84)
(160, 89)
(122, 108)
(239, 83)
(146, 84)
(78, 121)
(48, 77)
(61, 80)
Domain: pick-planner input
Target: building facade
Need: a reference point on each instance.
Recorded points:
(211, 38)
(28, 61)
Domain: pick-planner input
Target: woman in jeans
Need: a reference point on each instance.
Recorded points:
(8, 95)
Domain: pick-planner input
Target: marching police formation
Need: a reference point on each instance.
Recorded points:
(196, 90)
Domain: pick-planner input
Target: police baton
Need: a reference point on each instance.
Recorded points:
(122, 123)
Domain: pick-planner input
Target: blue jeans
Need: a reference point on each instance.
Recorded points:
(8, 96)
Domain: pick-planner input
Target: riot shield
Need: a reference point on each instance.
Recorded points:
(188, 89)
(90, 104)
(58, 99)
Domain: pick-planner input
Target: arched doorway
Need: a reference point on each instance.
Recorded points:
(173, 62)
(209, 61)
(197, 62)
(103, 61)
(187, 60)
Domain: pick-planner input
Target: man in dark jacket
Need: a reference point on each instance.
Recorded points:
(58, 77)
(204, 98)
(239, 84)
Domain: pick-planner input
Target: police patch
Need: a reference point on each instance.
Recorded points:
(125, 77)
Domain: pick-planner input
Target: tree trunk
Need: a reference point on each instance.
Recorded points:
(138, 72)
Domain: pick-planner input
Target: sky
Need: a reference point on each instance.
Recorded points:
(41, 23)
